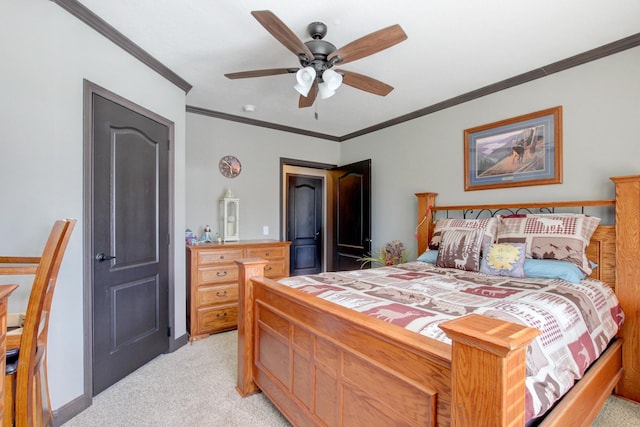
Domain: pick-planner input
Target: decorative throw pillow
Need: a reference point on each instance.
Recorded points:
(488, 225)
(503, 259)
(429, 256)
(553, 269)
(460, 249)
(563, 237)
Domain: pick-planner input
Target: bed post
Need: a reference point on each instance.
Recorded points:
(627, 278)
(248, 268)
(425, 220)
(488, 363)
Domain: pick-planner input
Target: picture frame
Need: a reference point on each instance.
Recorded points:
(516, 152)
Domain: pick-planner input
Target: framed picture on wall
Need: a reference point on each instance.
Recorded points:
(520, 151)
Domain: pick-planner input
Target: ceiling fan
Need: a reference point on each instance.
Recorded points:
(318, 57)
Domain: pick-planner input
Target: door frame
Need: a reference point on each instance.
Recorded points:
(315, 170)
(90, 89)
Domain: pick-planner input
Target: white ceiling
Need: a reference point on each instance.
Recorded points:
(453, 47)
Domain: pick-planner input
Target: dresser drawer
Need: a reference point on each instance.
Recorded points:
(217, 318)
(219, 256)
(216, 295)
(217, 274)
(267, 252)
(275, 269)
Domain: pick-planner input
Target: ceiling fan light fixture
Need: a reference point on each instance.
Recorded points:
(305, 78)
(331, 82)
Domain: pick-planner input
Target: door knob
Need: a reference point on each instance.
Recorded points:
(102, 257)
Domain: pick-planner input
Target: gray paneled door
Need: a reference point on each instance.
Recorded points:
(130, 241)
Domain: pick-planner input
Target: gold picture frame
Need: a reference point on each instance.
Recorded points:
(520, 151)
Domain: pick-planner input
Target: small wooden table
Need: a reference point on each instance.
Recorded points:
(5, 291)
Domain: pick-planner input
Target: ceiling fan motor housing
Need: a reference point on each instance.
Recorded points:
(321, 49)
(317, 30)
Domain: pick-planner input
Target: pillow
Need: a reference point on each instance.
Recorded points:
(488, 225)
(563, 237)
(460, 249)
(429, 256)
(552, 269)
(503, 259)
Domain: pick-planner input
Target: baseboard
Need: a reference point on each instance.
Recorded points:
(178, 342)
(71, 409)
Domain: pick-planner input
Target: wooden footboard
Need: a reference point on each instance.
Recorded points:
(322, 364)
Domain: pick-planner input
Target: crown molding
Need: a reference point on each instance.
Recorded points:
(101, 26)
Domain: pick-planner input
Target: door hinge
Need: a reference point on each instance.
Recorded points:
(169, 331)
(168, 239)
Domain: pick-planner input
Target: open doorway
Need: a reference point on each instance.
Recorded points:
(304, 215)
(326, 214)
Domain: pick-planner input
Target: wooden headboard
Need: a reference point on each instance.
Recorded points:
(615, 248)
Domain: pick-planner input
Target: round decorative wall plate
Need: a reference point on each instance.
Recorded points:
(230, 166)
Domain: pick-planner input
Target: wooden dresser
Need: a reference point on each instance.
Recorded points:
(212, 280)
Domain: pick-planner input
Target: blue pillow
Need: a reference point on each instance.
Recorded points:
(429, 256)
(553, 269)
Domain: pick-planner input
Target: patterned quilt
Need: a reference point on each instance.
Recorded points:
(576, 321)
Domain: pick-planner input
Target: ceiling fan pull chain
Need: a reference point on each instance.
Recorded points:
(315, 114)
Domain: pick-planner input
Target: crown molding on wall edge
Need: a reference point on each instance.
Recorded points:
(98, 24)
(101, 26)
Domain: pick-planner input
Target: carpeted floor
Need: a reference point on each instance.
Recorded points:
(195, 386)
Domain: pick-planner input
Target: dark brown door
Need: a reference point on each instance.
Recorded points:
(352, 221)
(304, 223)
(130, 241)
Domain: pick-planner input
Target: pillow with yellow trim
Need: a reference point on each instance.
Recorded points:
(503, 259)
(563, 237)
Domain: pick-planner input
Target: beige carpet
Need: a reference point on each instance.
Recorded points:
(194, 386)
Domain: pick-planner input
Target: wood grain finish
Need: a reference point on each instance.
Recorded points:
(26, 392)
(212, 276)
(5, 291)
(323, 364)
(628, 280)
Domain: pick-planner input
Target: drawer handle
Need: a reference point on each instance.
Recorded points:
(221, 257)
(267, 253)
(220, 316)
(221, 294)
(221, 273)
(268, 268)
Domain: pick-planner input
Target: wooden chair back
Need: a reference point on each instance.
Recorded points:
(29, 404)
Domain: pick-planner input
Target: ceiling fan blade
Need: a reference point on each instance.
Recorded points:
(261, 73)
(366, 83)
(307, 101)
(282, 33)
(370, 44)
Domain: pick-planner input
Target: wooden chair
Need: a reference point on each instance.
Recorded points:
(26, 393)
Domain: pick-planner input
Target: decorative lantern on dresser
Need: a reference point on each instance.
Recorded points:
(229, 217)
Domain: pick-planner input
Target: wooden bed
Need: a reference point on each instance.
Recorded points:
(323, 364)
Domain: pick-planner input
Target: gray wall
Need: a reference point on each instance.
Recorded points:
(600, 100)
(46, 54)
(601, 106)
(257, 186)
